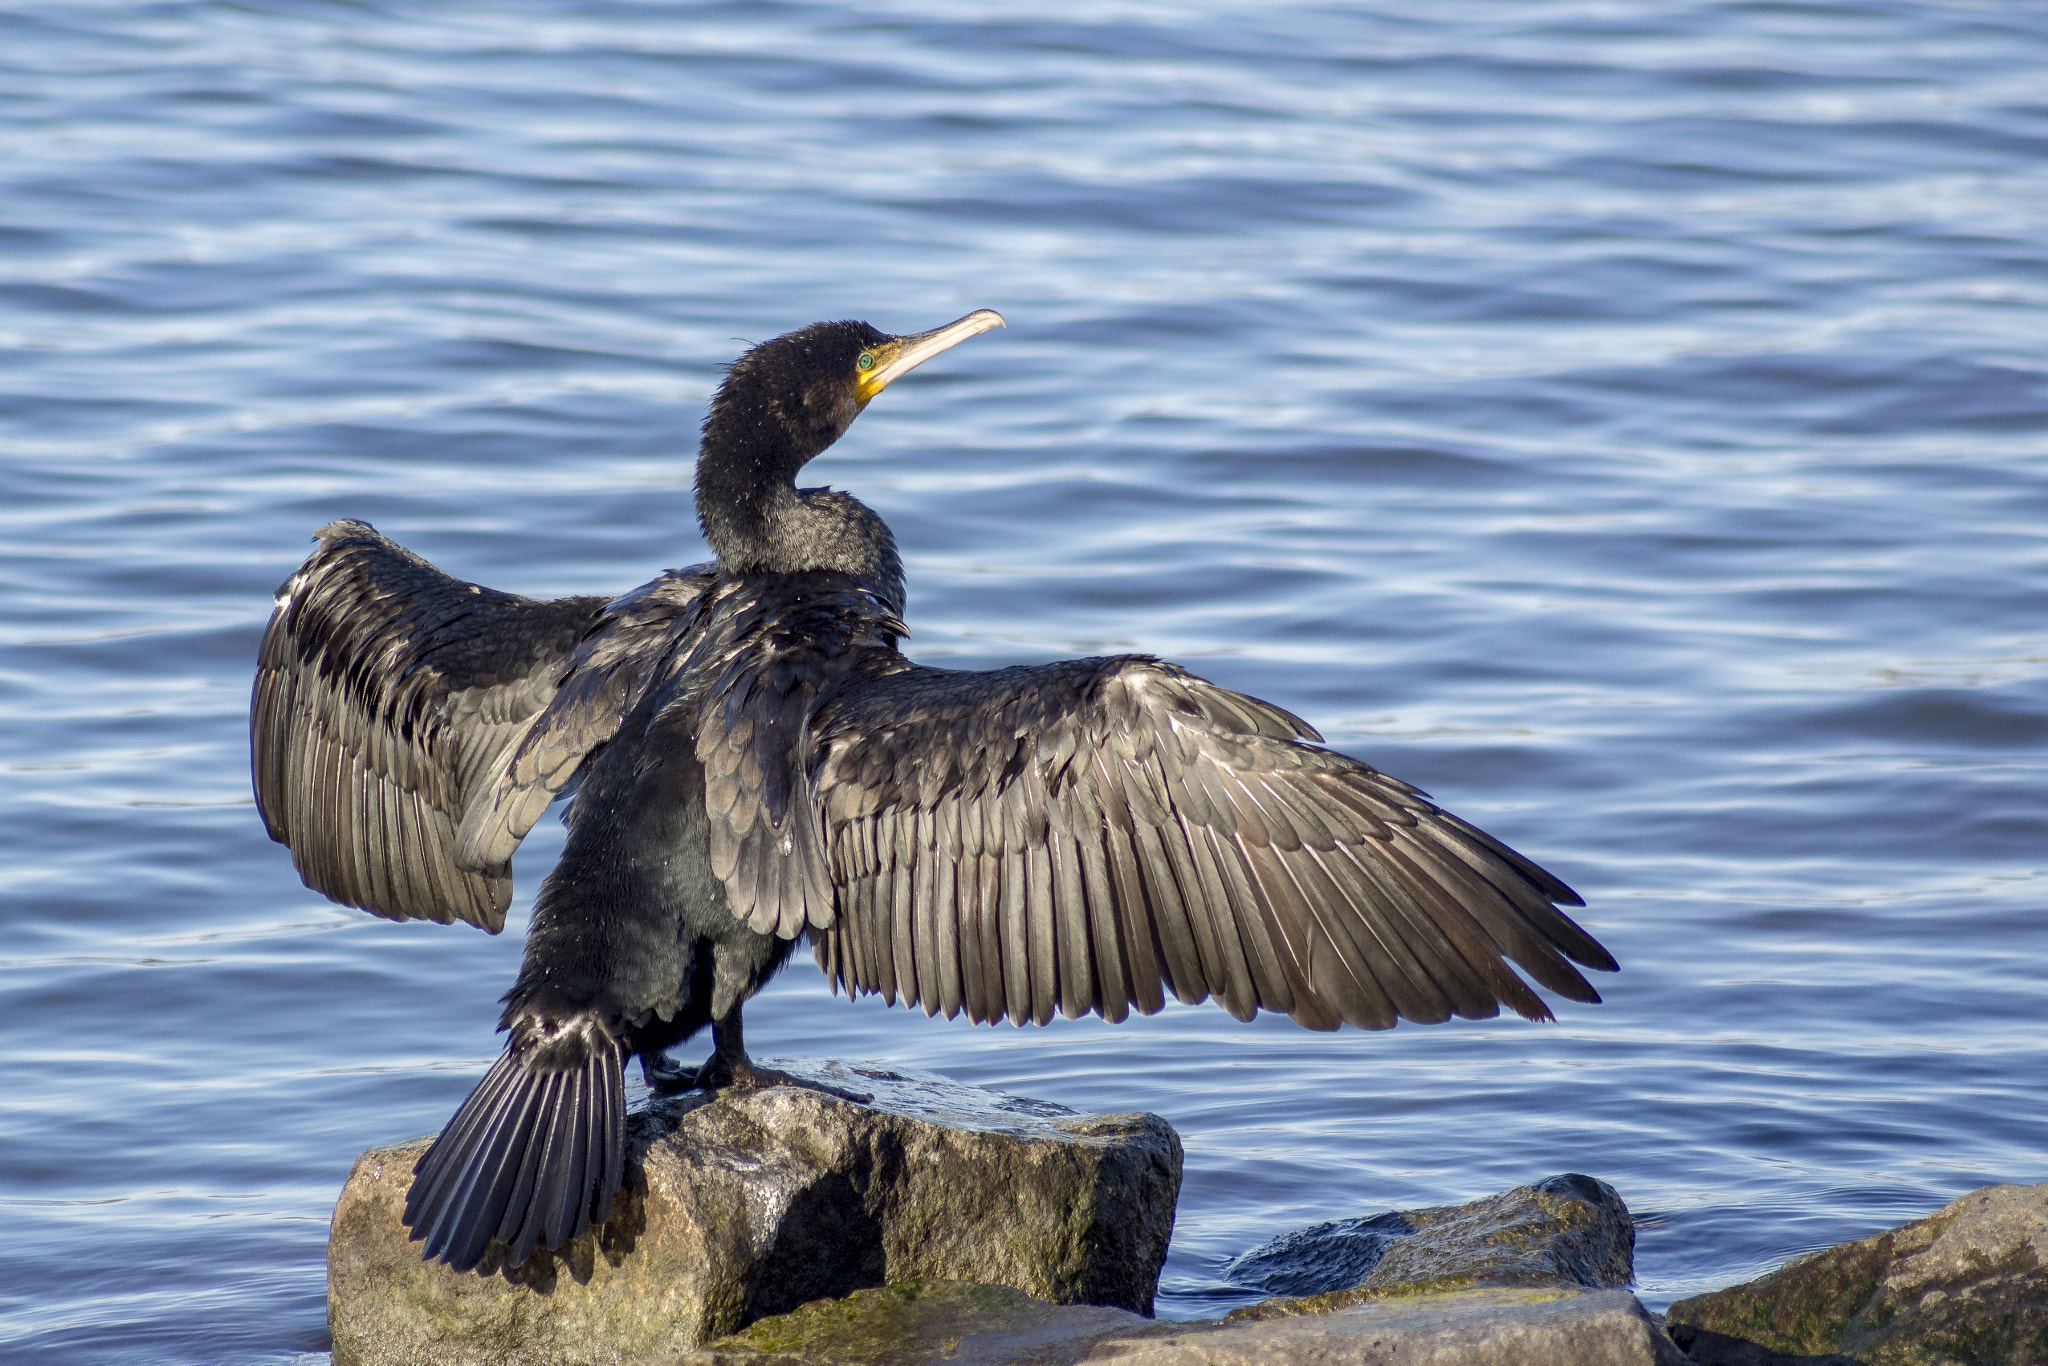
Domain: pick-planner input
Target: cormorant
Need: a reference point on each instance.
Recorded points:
(754, 760)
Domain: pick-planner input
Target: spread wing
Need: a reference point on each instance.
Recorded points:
(387, 697)
(1090, 835)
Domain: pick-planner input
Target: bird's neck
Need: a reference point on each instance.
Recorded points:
(746, 481)
(746, 521)
(758, 521)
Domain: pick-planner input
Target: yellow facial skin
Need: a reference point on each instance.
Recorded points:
(879, 366)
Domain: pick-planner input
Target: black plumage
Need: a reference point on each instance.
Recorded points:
(753, 759)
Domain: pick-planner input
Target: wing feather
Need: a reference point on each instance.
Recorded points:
(945, 995)
(988, 900)
(1105, 931)
(1137, 926)
(1043, 944)
(1073, 940)
(1174, 918)
(1013, 924)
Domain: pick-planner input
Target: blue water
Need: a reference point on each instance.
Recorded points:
(1626, 421)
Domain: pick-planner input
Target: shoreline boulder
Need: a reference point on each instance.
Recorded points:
(1563, 1230)
(1966, 1286)
(751, 1204)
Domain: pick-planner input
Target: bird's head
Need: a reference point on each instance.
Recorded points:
(798, 393)
(781, 404)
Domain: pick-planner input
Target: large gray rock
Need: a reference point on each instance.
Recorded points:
(1566, 1230)
(1499, 1326)
(927, 1325)
(755, 1203)
(1966, 1286)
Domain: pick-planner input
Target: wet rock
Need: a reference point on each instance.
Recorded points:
(1568, 1230)
(753, 1204)
(1321, 1258)
(1495, 1326)
(926, 1322)
(1966, 1286)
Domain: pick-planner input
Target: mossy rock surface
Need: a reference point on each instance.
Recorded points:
(1966, 1286)
(917, 1323)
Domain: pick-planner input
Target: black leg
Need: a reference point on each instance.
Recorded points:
(729, 1065)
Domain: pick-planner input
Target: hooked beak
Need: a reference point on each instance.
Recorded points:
(900, 355)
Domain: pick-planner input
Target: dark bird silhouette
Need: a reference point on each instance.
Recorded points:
(753, 760)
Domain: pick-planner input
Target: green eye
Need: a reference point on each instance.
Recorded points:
(867, 360)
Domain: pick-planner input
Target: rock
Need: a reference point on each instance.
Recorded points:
(1497, 1326)
(1716, 1349)
(1966, 1286)
(926, 1322)
(992, 1326)
(754, 1203)
(1320, 1258)
(1567, 1230)
(1528, 1277)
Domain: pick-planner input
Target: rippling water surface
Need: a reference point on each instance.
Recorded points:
(1626, 421)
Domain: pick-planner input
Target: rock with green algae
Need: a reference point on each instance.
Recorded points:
(1966, 1286)
(1566, 1230)
(753, 1203)
(925, 1323)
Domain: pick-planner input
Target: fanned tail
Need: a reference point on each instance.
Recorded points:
(533, 1157)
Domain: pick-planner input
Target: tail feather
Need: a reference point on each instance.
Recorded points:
(519, 1197)
(552, 1162)
(532, 1158)
(486, 1186)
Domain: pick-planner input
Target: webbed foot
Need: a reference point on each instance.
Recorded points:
(665, 1076)
(729, 1065)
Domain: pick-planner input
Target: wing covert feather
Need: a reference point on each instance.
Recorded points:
(622, 655)
(774, 646)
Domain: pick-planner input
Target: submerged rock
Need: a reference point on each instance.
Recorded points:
(752, 1204)
(1566, 1230)
(1966, 1286)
